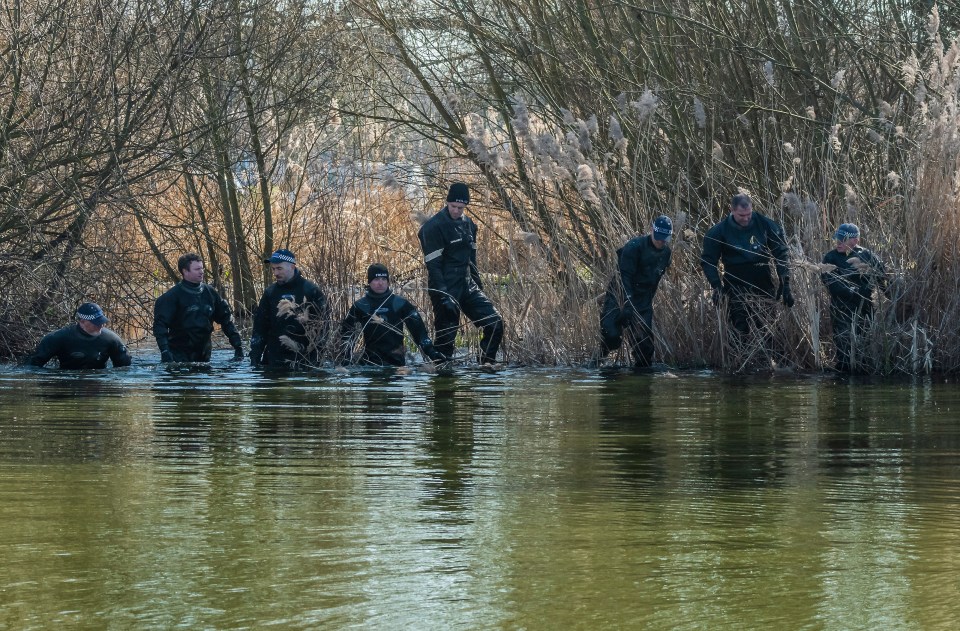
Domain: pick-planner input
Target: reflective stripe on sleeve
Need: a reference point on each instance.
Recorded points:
(433, 255)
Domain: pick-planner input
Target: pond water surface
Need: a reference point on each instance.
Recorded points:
(224, 498)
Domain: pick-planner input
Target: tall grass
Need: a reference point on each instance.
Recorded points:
(575, 126)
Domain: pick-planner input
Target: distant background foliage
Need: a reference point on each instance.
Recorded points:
(133, 131)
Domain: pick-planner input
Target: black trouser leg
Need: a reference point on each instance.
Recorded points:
(738, 312)
(484, 316)
(842, 326)
(849, 328)
(611, 332)
(642, 333)
(446, 323)
(748, 309)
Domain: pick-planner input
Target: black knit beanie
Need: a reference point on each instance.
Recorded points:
(459, 193)
(377, 270)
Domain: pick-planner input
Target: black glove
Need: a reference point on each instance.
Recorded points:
(628, 314)
(166, 356)
(238, 354)
(430, 351)
(717, 295)
(784, 293)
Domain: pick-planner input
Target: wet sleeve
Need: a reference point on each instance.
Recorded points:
(349, 324)
(710, 257)
(119, 356)
(432, 243)
(45, 351)
(223, 316)
(164, 310)
(881, 272)
(834, 282)
(777, 243)
(629, 258)
(414, 323)
(261, 324)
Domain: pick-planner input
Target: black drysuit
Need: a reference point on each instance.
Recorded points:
(382, 318)
(851, 297)
(450, 253)
(74, 349)
(296, 310)
(746, 253)
(183, 320)
(629, 299)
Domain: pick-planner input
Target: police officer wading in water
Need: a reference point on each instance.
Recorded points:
(745, 242)
(857, 271)
(629, 299)
(381, 315)
(183, 317)
(291, 322)
(86, 344)
(449, 243)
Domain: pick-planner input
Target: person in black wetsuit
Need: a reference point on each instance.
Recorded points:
(183, 317)
(292, 320)
(745, 242)
(628, 303)
(84, 345)
(449, 243)
(381, 315)
(857, 271)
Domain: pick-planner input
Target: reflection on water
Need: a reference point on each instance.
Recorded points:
(218, 497)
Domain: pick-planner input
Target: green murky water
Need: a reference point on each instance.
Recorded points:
(529, 499)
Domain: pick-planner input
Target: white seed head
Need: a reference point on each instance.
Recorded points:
(768, 74)
(646, 106)
(933, 22)
(849, 194)
(838, 79)
(699, 113)
(835, 138)
(910, 69)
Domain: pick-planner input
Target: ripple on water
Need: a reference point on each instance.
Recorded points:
(220, 496)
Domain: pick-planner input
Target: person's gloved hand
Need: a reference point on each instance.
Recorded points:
(716, 296)
(449, 304)
(784, 293)
(628, 314)
(238, 354)
(166, 356)
(430, 351)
